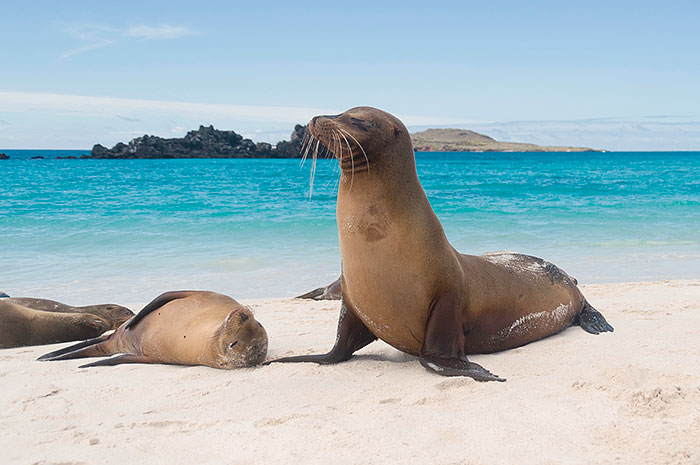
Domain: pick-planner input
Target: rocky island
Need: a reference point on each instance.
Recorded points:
(464, 140)
(207, 142)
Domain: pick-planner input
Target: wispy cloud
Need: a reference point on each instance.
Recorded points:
(133, 109)
(128, 119)
(156, 32)
(4, 123)
(82, 120)
(96, 36)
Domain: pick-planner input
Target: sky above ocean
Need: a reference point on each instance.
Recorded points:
(611, 75)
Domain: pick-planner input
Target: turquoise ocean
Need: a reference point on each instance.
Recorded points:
(88, 231)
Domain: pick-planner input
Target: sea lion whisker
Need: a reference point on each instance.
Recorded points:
(308, 147)
(352, 161)
(313, 168)
(359, 145)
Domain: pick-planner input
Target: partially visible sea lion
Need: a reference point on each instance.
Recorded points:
(404, 283)
(22, 326)
(330, 292)
(114, 315)
(182, 328)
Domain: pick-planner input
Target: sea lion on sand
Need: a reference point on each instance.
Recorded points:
(114, 315)
(22, 326)
(330, 292)
(404, 283)
(182, 328)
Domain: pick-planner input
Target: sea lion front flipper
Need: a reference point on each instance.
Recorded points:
(443, 346)
(119, 359)
(156, 303)
(592, 321)
(352, 336)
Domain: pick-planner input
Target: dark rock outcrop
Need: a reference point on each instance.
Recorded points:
(4, 156)
(38, 157)
(206, 142)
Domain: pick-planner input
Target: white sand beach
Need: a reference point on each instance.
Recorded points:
(630, 397)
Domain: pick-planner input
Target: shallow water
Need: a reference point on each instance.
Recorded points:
(125, 230)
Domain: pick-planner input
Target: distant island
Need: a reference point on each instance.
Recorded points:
(464, 140)
(208, 142)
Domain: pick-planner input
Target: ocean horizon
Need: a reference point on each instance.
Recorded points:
(87, 231)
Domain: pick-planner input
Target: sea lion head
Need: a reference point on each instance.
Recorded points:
(114, 315)
(91, 326)
(360, 137)
(242, 340)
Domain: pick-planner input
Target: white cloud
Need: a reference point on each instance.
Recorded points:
(96, 36)
(132, 109)
(75, 121)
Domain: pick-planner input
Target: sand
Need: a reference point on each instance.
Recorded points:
(631, 397)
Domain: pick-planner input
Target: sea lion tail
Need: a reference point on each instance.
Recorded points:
(91, 348)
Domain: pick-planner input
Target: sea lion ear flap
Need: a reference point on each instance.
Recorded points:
(236, 317)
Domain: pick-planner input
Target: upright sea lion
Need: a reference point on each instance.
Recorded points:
(114, 315)
(22, 326)
(404, 283)
(182, 328)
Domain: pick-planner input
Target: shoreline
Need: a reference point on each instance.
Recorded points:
(626, 397)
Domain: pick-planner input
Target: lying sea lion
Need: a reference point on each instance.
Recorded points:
(22, 326)
(404, 283)
(114, 315)
(330, 292)
(182, 328)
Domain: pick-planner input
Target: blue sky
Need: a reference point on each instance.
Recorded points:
(613, 75)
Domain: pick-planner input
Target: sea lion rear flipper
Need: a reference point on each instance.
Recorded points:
(156, 303)
(352, 336)
(330, 292)
(80, 350)
(592, 321)
(443, 346)
(119, 359)
(309, 295)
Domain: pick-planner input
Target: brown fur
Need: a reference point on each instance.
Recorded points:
(184, 328)
(112, 314)
(22, 326)
(404, 283)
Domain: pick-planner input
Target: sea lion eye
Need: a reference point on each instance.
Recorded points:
(232, 345)
(244, 317)
(362, 124)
